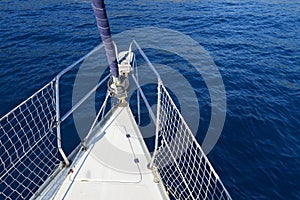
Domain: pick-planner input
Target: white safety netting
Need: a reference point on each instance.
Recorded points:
(185, 170)
(28, 145)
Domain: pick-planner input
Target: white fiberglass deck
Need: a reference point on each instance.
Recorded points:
(114, 165)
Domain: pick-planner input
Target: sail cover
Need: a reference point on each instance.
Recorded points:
(104, 30)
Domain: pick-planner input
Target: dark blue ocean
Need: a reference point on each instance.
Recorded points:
(255, 45)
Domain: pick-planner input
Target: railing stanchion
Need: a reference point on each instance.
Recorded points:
(157, 125)
(138, 97)
(58, 122)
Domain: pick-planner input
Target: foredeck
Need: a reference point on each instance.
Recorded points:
(115, 164)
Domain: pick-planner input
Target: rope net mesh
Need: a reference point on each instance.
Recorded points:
(28, 145)
(179, 159)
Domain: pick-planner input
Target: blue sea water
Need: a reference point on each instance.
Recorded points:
(255, 44)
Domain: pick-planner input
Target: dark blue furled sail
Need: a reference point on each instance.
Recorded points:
(104, 30)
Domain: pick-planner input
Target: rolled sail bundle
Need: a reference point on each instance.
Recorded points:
(104, 30)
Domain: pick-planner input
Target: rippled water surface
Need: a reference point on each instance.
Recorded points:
(255, 44)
